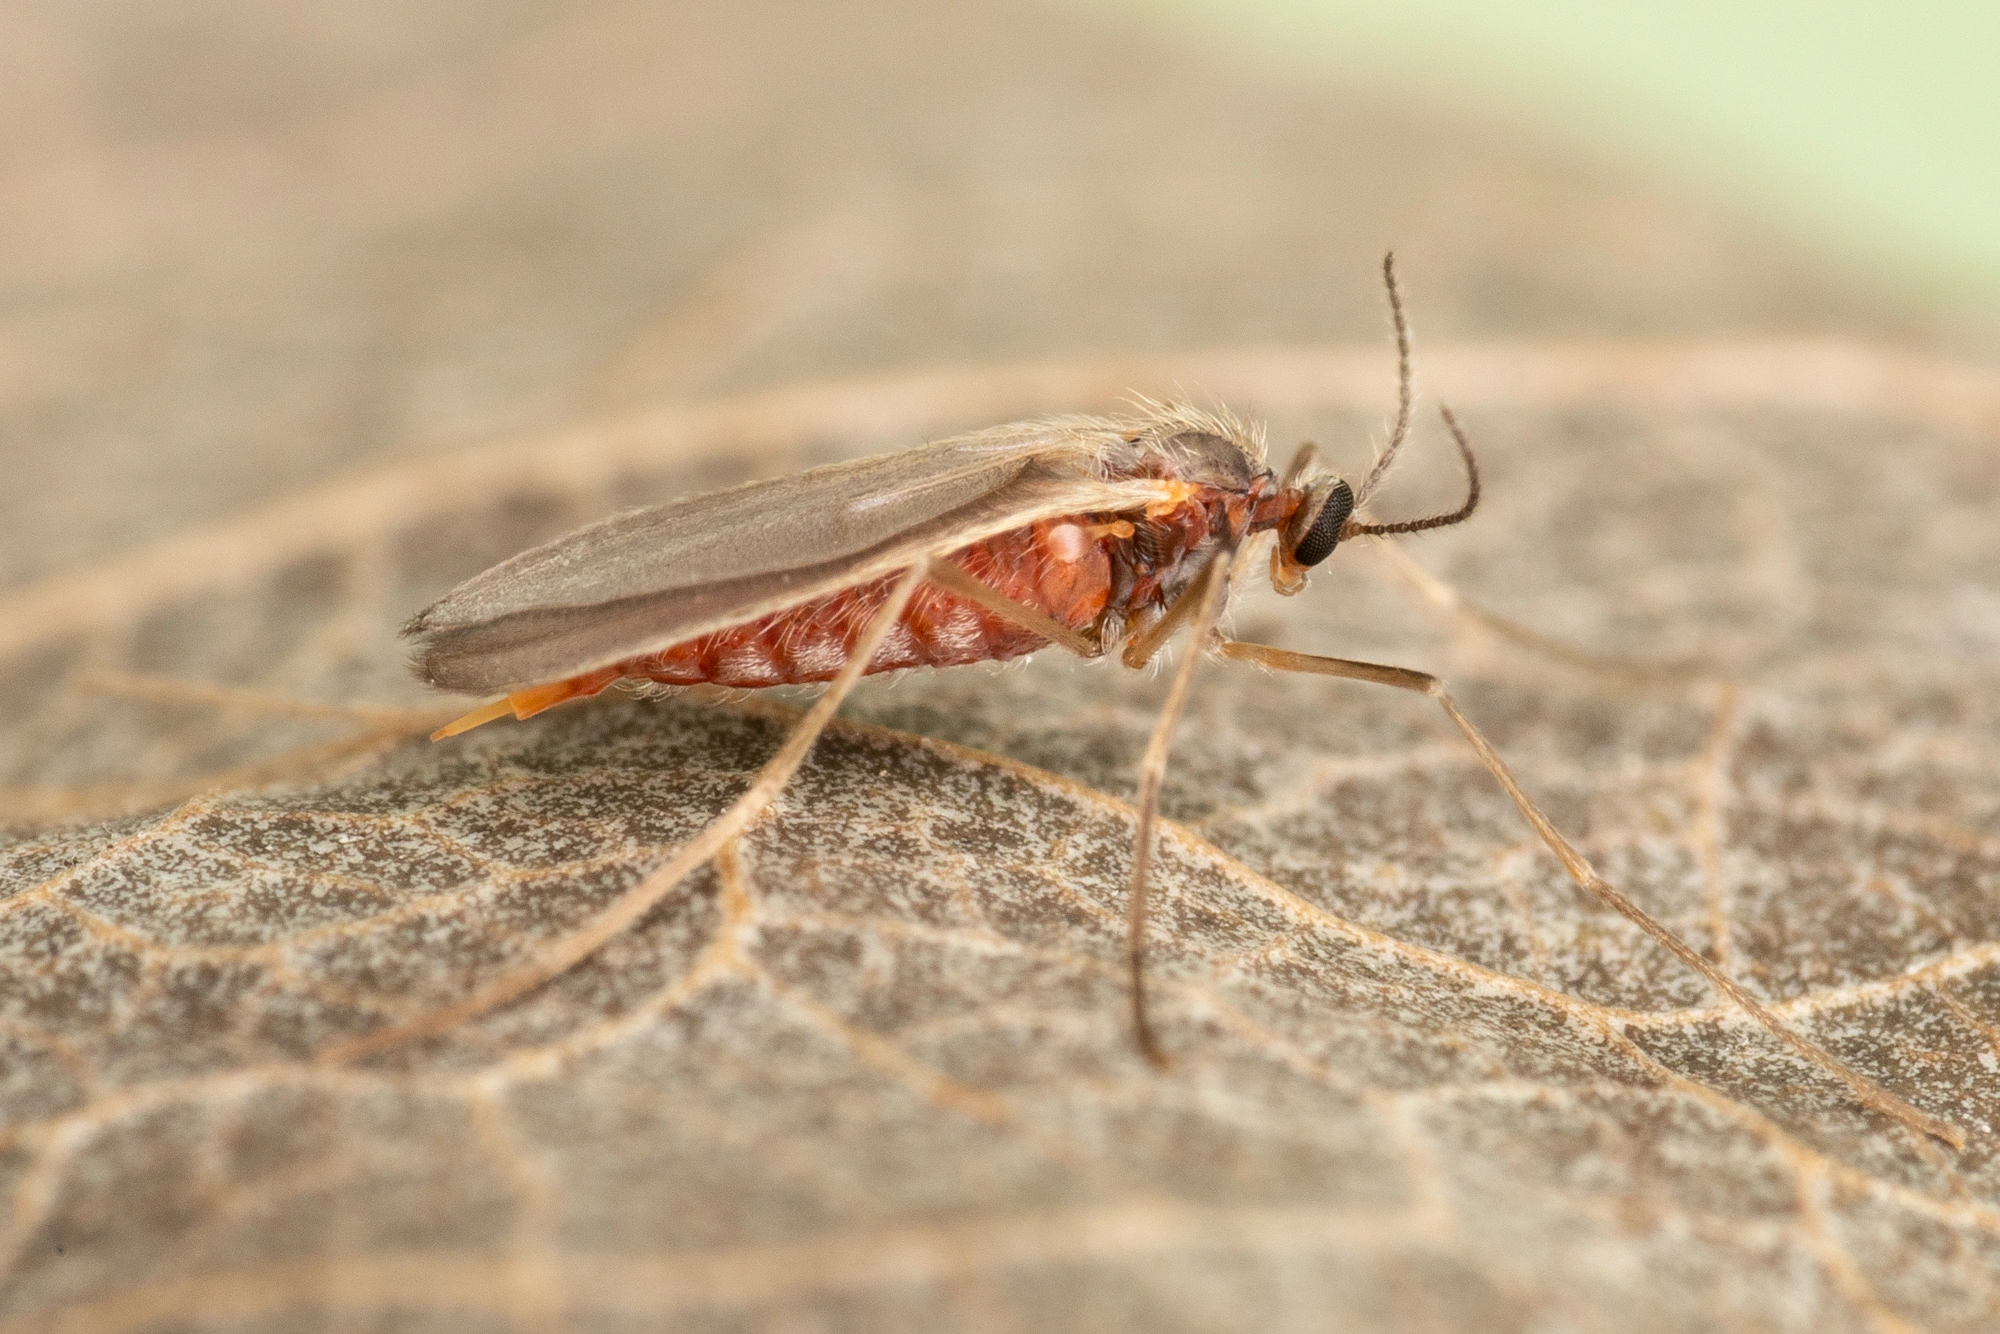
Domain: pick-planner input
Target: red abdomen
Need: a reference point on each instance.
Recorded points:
(1056, 566)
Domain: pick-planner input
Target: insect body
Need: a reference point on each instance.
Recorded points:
(1176, 484)
(1082, 532)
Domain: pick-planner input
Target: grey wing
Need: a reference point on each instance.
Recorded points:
(639, 582)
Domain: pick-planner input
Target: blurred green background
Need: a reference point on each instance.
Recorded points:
(1866, 132)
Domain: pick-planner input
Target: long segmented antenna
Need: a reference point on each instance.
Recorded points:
(1406, 395)
(1405, 401)
(1459, 515)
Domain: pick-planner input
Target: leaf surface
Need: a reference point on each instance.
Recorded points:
(872, 1069)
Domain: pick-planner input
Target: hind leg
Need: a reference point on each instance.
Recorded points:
(1201, 605)
(377, 728)
(161, 690)
(640, 899)
(1449, 600)
(1580, 870)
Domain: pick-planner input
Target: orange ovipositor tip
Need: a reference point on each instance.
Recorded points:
(528, 702)
(485, 713)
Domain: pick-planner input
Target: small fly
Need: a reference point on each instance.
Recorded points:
(1090, 534)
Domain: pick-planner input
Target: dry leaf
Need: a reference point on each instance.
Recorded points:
(872, 1070)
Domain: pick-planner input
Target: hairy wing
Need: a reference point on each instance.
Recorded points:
(638, 582)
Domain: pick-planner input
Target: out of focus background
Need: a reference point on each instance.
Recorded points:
(1869, 132)
(315, 235)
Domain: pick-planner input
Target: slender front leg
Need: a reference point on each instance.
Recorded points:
(1611, 666)
(1580, 870)
(1141, 647)
(1202, 603)
(637, 901)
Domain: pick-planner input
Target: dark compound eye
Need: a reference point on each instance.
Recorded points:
(1319, 540)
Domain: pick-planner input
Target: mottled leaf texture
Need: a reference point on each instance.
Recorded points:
(306, 319)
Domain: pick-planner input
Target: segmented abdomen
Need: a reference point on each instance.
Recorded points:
(1056, 566)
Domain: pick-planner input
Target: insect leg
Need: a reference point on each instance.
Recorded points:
(167, 690)
(1423, 683)
(104, 801)
(637, 901)
(1449, 600)
(1205, 599)
(378, 728)
(949, 575)
(1405, 386)
(1141, 647)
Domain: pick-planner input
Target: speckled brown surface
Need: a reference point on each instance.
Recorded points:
(302, 320)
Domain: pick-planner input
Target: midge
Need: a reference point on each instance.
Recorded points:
(1087, 533)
